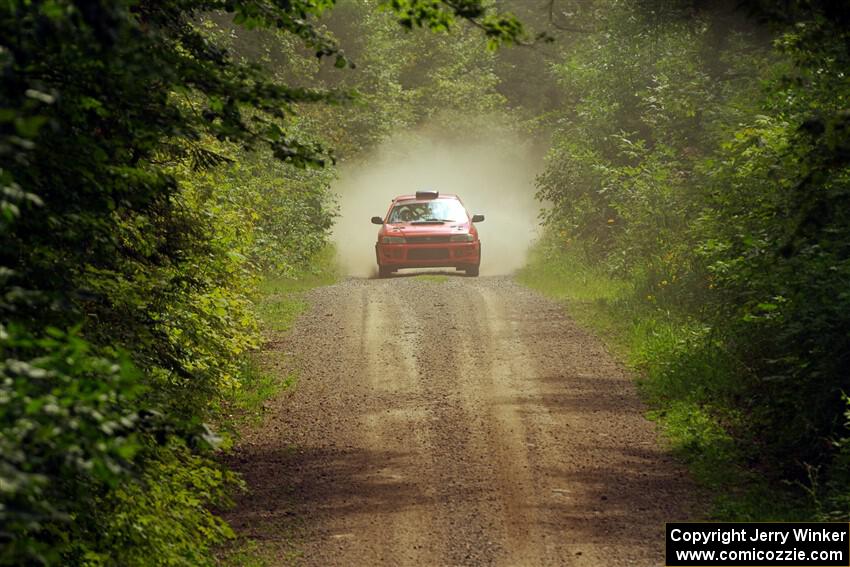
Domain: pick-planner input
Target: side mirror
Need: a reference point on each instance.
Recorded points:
(377, 220)
(477, 218)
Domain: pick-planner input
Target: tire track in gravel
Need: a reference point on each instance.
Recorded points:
(465, 422)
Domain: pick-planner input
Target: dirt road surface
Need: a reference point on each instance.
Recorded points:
(457, 422)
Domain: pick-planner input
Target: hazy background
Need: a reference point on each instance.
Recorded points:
(492, 171)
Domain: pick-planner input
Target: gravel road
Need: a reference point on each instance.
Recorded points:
(459, 422)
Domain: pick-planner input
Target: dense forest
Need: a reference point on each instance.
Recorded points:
(158, 157)
(707, 172)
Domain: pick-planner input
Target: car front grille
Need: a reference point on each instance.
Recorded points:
(427, 254)
(427, 239)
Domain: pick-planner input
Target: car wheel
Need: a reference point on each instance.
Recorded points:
(471, 270)
(384, 272)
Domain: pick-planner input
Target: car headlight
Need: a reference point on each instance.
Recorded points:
(461, 238)
(392, 240)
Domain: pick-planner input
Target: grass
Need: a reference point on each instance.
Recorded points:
(681, 377)
(279, 303)
(250, 553)
(245, 553)
(589, 294)
(280, 297)
(245, 406)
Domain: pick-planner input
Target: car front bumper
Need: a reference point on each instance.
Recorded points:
(437, 255)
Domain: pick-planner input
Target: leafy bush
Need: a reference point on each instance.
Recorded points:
(163, 516)
(149, 278)
(710, 170)
(138, 198)
(69, 427)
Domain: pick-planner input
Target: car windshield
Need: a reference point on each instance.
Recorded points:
(446, 210)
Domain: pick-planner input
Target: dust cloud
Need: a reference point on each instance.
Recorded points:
(492, 172)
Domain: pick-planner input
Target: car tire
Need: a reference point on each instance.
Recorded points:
(471, 270)
(384, 272)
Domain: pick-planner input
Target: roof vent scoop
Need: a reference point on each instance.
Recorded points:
(427, 194)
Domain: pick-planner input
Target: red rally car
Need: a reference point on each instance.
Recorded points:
(428, 230)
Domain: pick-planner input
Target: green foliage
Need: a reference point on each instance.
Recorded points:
(440, 15)
(162, 516)
(68, 427)
(406, 80)
(89, 478)
(280, 298)
(278, 301)
(684, 376)
(270, 217)
(249, 554)
(139, 196)
(709, 170)
(258, 382)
